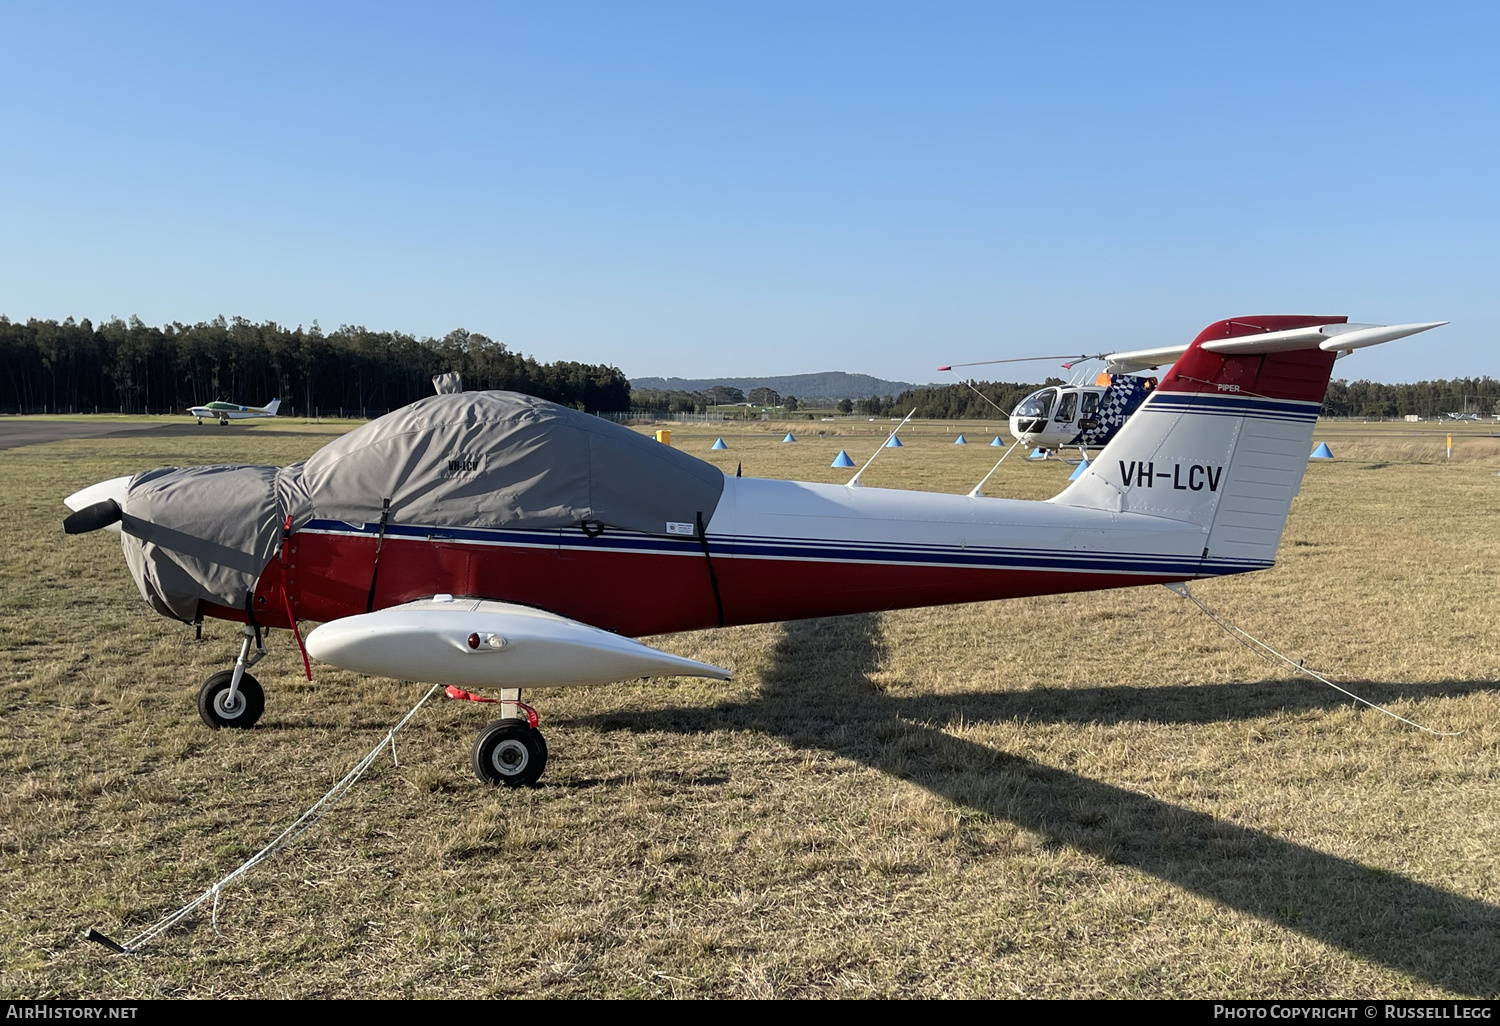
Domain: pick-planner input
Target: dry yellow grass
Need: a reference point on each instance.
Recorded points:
(1095, 795)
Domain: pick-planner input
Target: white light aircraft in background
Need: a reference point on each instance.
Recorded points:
(225, 412)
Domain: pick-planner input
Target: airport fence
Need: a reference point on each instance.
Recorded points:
(654, 416)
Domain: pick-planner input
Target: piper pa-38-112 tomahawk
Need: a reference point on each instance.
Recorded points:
(494, 540)
(1086, 416)
(225, 412)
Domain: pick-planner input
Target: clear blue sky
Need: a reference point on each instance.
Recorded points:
(714, 188)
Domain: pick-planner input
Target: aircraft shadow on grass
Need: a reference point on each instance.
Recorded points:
(812, 701)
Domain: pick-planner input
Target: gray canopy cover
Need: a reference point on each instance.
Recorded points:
(472, 459)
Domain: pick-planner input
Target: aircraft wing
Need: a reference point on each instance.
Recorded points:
(490, 644)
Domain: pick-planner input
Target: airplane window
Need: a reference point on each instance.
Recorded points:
(1037, 405)
(1067, 408)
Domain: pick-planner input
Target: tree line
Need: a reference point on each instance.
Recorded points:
(131, 367)
(1422, 398)
(677, 400)
(1343, 399)
(975, 400)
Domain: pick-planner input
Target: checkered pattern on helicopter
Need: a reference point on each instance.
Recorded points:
(1124, 396)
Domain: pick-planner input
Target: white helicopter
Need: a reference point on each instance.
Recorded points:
(494, 540)
(225, 412)
(1086, 416)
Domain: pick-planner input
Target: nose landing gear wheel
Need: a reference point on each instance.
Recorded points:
(218, 710)
(509, 752)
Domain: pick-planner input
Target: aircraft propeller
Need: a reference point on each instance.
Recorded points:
(93, 518)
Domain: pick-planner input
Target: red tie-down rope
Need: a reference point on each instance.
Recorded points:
(468, 696)
(286, 596)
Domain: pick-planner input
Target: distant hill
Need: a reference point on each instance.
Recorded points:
(827, 385)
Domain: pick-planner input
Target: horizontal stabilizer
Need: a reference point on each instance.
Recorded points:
(1361, 335)
(490, 644)
(1328, 337)
(1338, 337)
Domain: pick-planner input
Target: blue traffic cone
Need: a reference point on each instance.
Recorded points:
(789, 437)
(1322, 452)
(894, 443)
(997, 444)
(718, 444)
(960, 440)
(1078, 470)
(842, 460)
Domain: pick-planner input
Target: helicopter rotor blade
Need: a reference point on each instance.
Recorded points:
(1023, 359)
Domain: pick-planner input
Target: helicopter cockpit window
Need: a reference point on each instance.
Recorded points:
(1088, 410)
(1067, 409)
(1037, 405)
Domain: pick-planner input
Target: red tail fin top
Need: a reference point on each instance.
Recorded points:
(1300, 374)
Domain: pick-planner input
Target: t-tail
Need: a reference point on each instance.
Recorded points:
(1223, 441)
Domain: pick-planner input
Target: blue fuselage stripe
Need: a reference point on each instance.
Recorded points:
(822, 550)
(1231, 406)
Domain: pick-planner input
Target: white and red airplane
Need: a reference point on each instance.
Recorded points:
(486, 539)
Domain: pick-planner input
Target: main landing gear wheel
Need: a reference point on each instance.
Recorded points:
(509, 752)
(219, 710)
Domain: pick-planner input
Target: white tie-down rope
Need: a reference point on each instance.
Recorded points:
(287, 836)
(976, 493)
(1261, 648)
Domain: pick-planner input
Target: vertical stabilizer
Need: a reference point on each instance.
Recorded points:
(1221, 443)
(272, 406)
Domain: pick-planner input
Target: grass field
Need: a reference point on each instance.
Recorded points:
(1097, 795)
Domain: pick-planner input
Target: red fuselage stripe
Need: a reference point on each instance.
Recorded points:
(635, 593)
